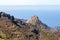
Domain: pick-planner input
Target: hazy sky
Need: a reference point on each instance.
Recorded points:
(29, 2)
(48, 11)
(49, 15)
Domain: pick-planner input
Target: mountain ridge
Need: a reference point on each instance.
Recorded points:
(12, 28)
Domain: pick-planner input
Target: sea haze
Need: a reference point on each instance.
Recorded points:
(48, 14)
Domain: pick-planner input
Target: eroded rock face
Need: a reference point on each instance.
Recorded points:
(34, 20)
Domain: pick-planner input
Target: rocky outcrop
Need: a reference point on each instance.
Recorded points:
(5, 15)
(34, 20)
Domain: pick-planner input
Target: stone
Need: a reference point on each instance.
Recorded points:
(34, 20)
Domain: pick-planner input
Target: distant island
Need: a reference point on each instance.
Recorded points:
(12, 28)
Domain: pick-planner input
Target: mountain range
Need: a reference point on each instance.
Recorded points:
(12, 28)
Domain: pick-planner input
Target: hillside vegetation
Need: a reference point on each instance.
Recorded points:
(12, 28)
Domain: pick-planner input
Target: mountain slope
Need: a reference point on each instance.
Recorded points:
(12, 28)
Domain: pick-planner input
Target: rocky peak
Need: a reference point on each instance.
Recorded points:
(34, 20)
